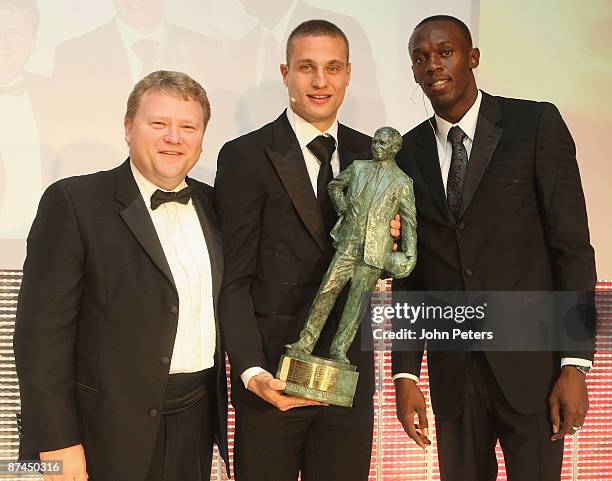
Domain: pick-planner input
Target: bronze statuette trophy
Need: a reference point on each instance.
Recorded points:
(366, 196)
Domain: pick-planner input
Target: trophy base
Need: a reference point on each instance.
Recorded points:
(317, 378)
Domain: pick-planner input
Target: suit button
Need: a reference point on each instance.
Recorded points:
(153, 413)
(461, 226)
(164, 361)
(468, 272)
(173, 309)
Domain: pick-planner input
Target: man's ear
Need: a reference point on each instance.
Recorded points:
(127, 127)
(284, 69)
(474, 57)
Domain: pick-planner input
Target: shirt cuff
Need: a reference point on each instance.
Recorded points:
(249, 373)
(405, 375)
(576, 361)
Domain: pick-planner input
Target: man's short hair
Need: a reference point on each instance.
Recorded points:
(168, 82)
(28, 6)
(448, 18)
(316, 28)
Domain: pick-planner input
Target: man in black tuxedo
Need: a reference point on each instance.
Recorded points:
(499, 207)
(275, 217)
(121, 370)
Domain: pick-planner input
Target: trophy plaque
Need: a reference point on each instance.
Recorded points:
(317, 378)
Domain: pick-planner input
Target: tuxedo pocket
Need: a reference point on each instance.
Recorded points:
(274, 317)
(90, 413)
(86, 388)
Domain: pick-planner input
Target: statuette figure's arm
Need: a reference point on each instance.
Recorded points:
(337, 187)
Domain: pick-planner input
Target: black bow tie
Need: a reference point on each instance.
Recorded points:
(160, 197)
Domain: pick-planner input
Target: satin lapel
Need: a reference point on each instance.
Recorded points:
(212, 236)
(486, 138)
(288, 161)
(429, 165)
(137, 218)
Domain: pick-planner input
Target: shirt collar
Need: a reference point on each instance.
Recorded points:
(130, 35)
(306, 132)
(467, 123)
(146, 187)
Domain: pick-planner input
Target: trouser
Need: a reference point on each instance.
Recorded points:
(328, 443)
(466, 445)
(183, 449)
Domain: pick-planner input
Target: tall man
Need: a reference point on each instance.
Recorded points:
(499, 207)
(275, 217)
(120, 367)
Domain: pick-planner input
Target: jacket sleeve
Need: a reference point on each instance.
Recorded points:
(402, 359)
(563, 213)
(46, 325)
(406, 356)
(239, 201)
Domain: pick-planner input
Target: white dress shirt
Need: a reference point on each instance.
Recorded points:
(180, 234)
(468, 125)
(305, 133)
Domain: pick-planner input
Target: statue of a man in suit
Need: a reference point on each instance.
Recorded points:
(375, 192)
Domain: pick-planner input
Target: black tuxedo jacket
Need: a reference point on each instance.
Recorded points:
(96, 321)
(276, 251)
(522, 227)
